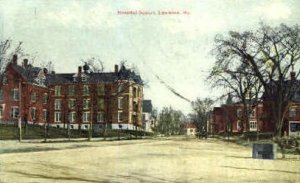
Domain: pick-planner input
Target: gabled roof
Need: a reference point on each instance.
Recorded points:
(127, 74)
(28, 73)
(37, 76)
(294, 93)
(189, 125)
(93, 78)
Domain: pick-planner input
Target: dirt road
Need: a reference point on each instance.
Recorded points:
(174, 160)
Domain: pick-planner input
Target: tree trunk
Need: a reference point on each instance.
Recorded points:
(69, 134)
(104, 131)
(45, 132)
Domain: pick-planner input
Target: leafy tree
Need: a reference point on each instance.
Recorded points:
(202, 107)
(169, 121)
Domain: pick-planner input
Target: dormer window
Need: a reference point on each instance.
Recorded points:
(83, 78)
(86, 90)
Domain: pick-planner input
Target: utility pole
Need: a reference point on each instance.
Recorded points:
(20, 111)
(92, 92)
(45, 126)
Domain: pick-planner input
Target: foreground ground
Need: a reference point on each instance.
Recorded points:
(158, 160)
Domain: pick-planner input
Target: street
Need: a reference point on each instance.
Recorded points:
(151, 160)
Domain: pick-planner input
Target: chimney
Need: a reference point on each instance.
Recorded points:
(45, 71)
(79, 70)
(15, 59)
(86, 68)
(293, 76)
(116, 69)
(25, 63)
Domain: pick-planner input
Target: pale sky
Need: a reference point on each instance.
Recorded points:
(174, 47)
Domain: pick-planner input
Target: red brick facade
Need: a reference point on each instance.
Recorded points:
(227, 118)
(36, 96)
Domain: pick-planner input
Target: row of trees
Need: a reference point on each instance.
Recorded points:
(169, 121)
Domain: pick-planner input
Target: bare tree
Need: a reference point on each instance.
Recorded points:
(7, 50)
(270, 54)
(48, 65)
(244, 87)
(95, 64)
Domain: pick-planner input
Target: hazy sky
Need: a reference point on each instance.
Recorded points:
(174, 47)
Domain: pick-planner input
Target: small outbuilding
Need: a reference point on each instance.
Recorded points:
(190, 129)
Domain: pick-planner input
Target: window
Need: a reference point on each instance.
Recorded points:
(1, 111)
(71, 103)
(133, 118)
(45, 98)
(252, 114)
(15, 94)
(120, 102)
(33, 113)
(33, 96)
(71, 90)
(57, 117)
(239, 125)
(239, 113)
(294, 127)
(144, 117)
(292, 112)
(134, 92)
(45, 114)
(253, 125)
(86, 117)
(120, 116)
(1, 94)
(100, 103)
(140, 92)
(83, 78)
(120, 88)
(100, 89)
(135, 107)
(72, 117)
(86, 90)
(86, 103)
(57, 104)
(57, 90)
(15, 112)
(100, 117)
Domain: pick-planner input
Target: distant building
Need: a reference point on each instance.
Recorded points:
(189, 129)
(148, 120)
(111, 99)
(228, 117)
